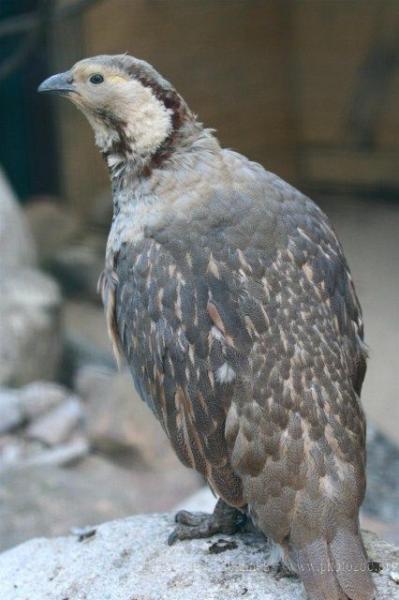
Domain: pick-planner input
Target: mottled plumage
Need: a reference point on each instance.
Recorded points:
(227, 292)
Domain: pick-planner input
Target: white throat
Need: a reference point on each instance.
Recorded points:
(144, 120)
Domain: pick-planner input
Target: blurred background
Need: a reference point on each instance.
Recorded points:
(308, 88)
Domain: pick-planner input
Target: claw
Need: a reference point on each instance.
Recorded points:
(224, 520)
(191, 519)
(172, 538)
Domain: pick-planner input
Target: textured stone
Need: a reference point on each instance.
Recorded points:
(40, 397)
(10, 410)
(30, 341)
(382, 495)
(129, 560)
(119, 423)
(17, 453)
(77, 266)
(86, 341)
(49, 500)
(52, 226)
(16, 243)
(29, 403)
(56, 426)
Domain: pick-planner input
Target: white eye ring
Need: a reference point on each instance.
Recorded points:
(96, 78)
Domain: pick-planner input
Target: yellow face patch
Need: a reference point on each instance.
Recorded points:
(115, 78)
(83, 72)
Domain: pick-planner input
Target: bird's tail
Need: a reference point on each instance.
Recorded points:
(335, 570)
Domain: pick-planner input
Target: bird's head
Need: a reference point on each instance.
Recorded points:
(134, 112)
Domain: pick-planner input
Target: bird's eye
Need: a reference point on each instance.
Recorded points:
(96, 78)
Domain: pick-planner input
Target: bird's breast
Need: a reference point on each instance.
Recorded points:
(134, 212)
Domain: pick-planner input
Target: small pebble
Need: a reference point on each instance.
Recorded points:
(221, 546)
(84, 533)
(56, 426)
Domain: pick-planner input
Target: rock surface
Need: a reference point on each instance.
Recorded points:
(56, 426)
(119, 423)
(41, 423)
(48, 501)
(52, 225)
(11, 414)
(30, 337)
(129, 560)
(39, 397)
(78, 266)
(30, 302)
(382, 495)
(16, 243)
(29, 402)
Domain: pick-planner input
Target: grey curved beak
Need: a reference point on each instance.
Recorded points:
(62, 83)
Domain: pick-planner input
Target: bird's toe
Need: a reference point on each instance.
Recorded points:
(191, 519)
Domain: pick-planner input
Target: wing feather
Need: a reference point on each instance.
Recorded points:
(262, 292)
(174, 354)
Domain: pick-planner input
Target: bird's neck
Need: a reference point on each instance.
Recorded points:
(132, 151)
(136, 176)
(184, 179)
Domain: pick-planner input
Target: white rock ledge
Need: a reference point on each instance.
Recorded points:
(129, 559)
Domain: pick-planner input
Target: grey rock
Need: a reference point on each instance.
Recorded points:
(18, 406)
(382, 496)
(76, 448)
(49, 500)
(86, 320)
(78, 266)
(129, 559)
(120, 424)
(30, 340)
(52, 225)
(86, 341)
(11, 414)
(11, 450)
(57, 425)
(40, 397)
(17, 452)
(16, 242)
(113, 425)
(80, 352)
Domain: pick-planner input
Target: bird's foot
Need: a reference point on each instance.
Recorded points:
(224, 520)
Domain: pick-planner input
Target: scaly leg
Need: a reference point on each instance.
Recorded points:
(225, 519)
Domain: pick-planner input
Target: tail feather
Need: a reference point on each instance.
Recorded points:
(312, 564)
(351, 566)
(336, 570)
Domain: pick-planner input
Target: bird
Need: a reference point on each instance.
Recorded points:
(227, 293)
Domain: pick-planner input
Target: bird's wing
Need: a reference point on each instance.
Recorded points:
(173, 314)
